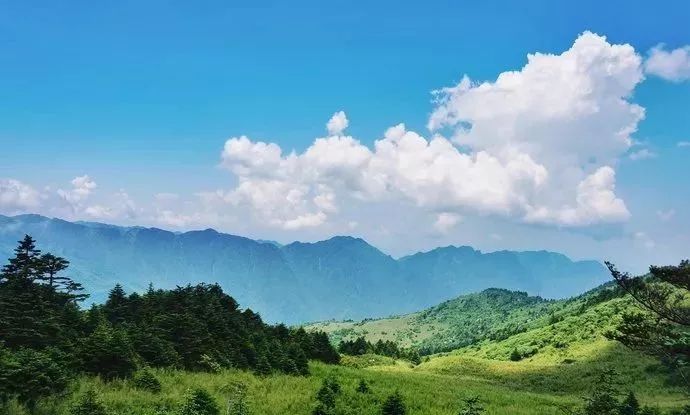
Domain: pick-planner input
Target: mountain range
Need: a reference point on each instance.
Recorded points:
(339, 278)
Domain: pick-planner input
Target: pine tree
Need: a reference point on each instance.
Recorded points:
(115, 307)
(630, 405)
(363, 387)
(51, 266)
(89, 404)
(27, 320)
(394, 405)
(472, 406)
(199, 402)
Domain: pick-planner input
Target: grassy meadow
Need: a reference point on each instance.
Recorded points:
(437, 386)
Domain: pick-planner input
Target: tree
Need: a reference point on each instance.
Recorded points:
(603, 399)
(29, 375)
(472, 406)
(52, 266)
(116, 306)
(199, 402)
(107, 352)
(394, 405)
(88, 404)
(515, 355)
(363, 387)
(662, 328)
(630, 405)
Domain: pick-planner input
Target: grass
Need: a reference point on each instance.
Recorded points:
(540, 385)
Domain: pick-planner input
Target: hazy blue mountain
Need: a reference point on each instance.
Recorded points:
(340, 278)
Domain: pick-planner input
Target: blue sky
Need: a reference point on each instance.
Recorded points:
(142, 98)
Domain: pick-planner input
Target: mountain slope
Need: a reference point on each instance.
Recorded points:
(490, 316)
(342, 277)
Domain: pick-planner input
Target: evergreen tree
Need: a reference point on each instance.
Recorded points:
(263, 366)
(117, 305)
(515, 355)
(51, 267)
(107, 352)
(394, 405)
(660, 330)
(362, 387)
(88, 404)
(630, 405)
(472, 406)
(199, 402)
(604, 397)
(29, 375)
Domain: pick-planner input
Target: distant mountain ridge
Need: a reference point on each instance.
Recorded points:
(339, 278)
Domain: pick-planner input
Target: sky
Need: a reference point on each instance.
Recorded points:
(541, 125)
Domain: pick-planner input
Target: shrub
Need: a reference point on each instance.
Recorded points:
(199, 402)
(472, 407)
(363, 387)
(145, 380)
(30, 374)
(515, 356)
(88, 404)
(394, 405)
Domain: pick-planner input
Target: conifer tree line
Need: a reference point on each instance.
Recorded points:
(46, 338)
(361, 346)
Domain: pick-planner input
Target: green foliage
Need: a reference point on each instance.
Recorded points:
(472, 406)
(363, 386)
(394, 405)
(663, 327)
(88, 404)
(515, 356)
(237, 404)
(630, 405)
(108, 352)
(146, 380)
(28, 375)
(199, 402)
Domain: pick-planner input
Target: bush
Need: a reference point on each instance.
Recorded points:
(394, 405)
(31, 374)
(515, 356)
(145, 380)
(88, 404)
(363, 387)
(472, 407)
(199, 402)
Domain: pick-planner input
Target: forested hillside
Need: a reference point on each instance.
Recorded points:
(342, 277)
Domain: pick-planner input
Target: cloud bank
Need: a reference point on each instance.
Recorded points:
(537, 145)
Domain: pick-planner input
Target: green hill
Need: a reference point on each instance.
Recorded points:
(492, 314)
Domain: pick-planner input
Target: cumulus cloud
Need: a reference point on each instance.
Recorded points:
(536, 145)
(337, 124)
(672, 65)
(82, 187)
(17, 197)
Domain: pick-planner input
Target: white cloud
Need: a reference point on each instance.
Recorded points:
(683, 144)
(17, 197)
(82, 187)
(446, 221)
(337, 124)
(642, 154)
(672, 65)
(537, 145)
(666, 215)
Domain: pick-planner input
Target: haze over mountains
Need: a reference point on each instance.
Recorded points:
(339, 278)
